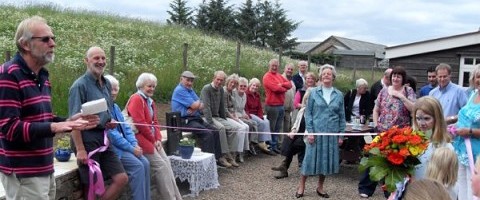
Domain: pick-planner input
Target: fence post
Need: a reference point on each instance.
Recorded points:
(112, 59)
(237, 58)
(7, 56)
(280, 52)
(185, 56)
(309, 58)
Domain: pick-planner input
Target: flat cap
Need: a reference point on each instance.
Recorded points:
(188, 74)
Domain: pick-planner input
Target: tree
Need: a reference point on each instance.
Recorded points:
(264, 11)
(247, 23)
(180, 13)
(281, 29)
(201, 21)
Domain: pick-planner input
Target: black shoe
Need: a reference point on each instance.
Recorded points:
(324, 195)
(283, 174)
(298, 195)
(275, 150)
(252, 150)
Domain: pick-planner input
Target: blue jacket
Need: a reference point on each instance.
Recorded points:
(121, 137)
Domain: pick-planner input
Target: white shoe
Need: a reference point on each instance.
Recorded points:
(363, 195)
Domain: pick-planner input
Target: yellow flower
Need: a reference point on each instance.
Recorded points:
(376, 139)
(414, 150)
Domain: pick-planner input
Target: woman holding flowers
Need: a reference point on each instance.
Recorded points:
(324, 114)
(467, 138)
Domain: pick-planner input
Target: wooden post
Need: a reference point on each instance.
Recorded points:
(185, 56)
(7, 56)
(309, 58)
(237, 58)
(112, 59)
(280, 52)
(375, 63)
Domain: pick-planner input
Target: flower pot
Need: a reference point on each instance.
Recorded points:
(186, 151)
(63, 155)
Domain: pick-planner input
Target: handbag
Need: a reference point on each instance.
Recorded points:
(128, 118)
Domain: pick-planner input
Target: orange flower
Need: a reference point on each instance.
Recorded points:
(404, 152)
(415, 140)
(399, 139)
(395, 158)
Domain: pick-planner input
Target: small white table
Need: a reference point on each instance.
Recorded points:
(200, 171)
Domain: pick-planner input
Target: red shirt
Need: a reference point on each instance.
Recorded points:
(275, 86)
(254, 105)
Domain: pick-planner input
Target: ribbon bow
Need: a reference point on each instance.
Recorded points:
(95, 177)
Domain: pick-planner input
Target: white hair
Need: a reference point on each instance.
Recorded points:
(327, 66)
(113, 80)
(361, 82)
(144, 77)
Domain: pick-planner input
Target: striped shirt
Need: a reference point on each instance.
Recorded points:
(25, 118)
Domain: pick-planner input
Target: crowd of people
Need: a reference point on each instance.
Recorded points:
(228, 119)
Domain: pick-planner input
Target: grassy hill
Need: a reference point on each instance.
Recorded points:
(141, 46)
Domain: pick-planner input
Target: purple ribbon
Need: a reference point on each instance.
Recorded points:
(94, 171)
(468, 145)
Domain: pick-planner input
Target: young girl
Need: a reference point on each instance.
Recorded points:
(443, 167)
(427, 117)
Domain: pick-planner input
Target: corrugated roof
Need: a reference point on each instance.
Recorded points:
(304, 47)
(358, 45)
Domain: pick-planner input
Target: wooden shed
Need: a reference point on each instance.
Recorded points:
(461, 52)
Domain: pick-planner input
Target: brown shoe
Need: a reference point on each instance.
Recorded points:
(231, 160)
(223, 162)
(263, 147)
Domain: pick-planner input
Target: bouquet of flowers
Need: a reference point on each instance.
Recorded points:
(393, 155)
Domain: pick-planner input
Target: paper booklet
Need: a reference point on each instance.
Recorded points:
(94, 107)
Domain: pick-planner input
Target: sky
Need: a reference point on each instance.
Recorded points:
(387, 22)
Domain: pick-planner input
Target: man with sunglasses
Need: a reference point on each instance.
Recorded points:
(27, 123)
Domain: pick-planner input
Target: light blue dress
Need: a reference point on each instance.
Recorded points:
(323, 116)
(468, 117)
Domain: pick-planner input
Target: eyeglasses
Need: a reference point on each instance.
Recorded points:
(45, 39)
(242, 86)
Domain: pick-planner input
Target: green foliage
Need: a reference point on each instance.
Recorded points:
(217, 17)
(140, 46)
(180, 13)
(247, 23)
(281, 29)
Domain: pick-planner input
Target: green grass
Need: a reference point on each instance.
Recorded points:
(141, 46)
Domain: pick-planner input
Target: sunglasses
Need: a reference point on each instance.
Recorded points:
(45, 39)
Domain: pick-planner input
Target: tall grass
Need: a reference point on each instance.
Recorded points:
(141, 46)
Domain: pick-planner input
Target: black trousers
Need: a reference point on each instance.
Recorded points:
(291, 147)
(208, 138)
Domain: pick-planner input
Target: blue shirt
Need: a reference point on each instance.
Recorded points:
(88, 88)
(182, 99)
(425, 90)
(452, 98)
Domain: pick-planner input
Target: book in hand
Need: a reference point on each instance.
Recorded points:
(94, 107)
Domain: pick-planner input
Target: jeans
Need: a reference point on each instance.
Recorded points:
(138, 170)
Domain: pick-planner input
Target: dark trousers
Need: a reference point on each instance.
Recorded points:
(367, 186)
(290, 147)
(208, 138)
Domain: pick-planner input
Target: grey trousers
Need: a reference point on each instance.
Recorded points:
(162, 174)
(232, 134)
(40, 187)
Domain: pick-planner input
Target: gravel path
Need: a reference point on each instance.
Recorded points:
(254, 180)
